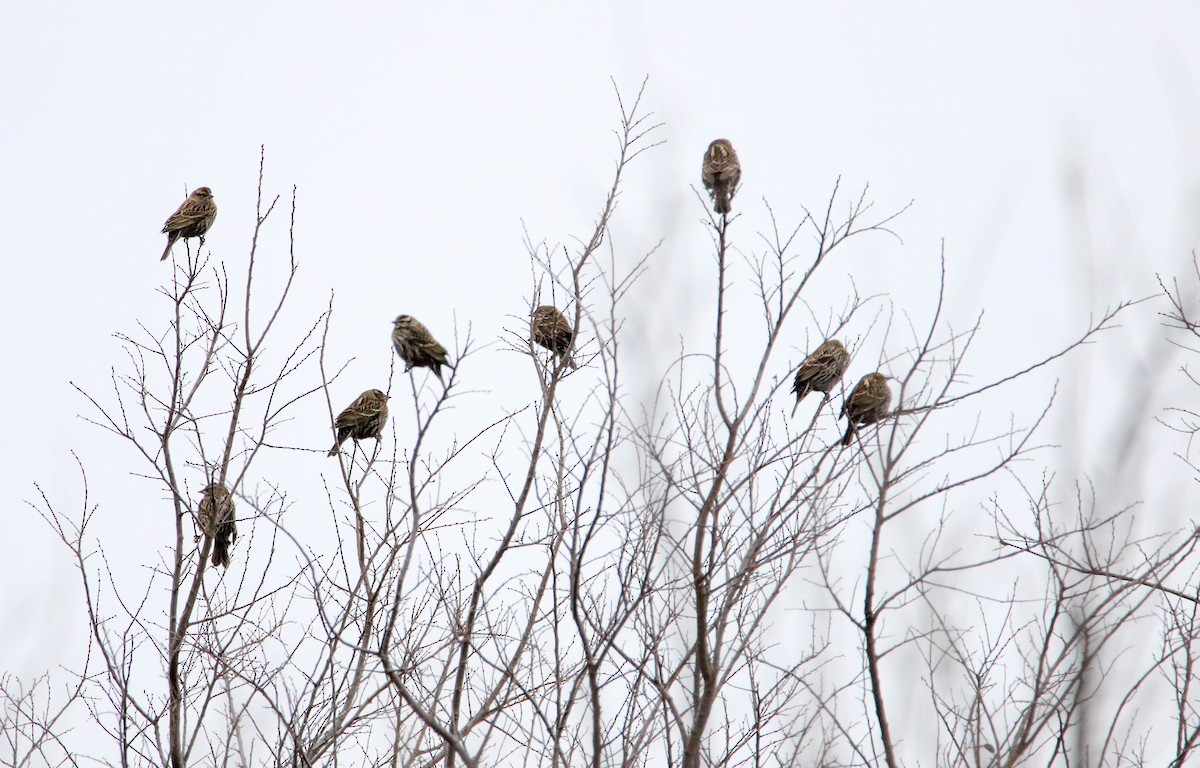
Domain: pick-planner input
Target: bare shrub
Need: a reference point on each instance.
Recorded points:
(696, 580)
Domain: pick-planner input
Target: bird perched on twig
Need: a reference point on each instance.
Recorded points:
(867, 404)
(551, 330)
(417, 347)
(363, 418)
(192, 219)
(721, 173)
(821, 371)
(215, 515)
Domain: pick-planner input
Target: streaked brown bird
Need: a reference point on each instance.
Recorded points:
(192, 219)
(867, 404)
(363, 418)
(417, 347)
(821, 371)
(721, 173)
(551, 330)
(215, 515)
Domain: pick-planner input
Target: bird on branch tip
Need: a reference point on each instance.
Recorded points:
(365, 417)
(192, 218)
(721, 174)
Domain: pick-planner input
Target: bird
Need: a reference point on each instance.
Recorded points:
(867, 404)
(551, 330)
(193, 218)
(721, 173)
(363, 418)
(821, 371)
(215, 516)
(417, 347)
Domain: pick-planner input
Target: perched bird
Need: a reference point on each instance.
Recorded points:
(552, 331)
(417, 347)
(215, 516)
(192, 219)
(821, 371)
(364, 418)
(721, 173)
(867, 404)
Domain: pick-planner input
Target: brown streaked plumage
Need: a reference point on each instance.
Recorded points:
(821, 371)
(417, 347)
(721, 174)
(551, 330)
(193, 218)
(867, 404)
(215, 516)
(363, 418)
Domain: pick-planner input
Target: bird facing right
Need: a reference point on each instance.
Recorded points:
(192, 218)
(417, 347)
(821, 371)
(363, 418)
(867, 404)
(215, 515)
(721, 173)
(551, 330)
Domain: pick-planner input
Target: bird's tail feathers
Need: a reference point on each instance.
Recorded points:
(722, 200)
(801, 393)
(220, 554)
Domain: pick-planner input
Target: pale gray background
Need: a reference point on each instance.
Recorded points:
(1052, 146)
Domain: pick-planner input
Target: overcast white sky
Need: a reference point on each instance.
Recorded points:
(424, 137)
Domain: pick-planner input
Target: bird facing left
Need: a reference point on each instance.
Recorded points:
(215, 516)
(416, 345)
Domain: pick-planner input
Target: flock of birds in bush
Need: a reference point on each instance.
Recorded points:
(366, 417)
